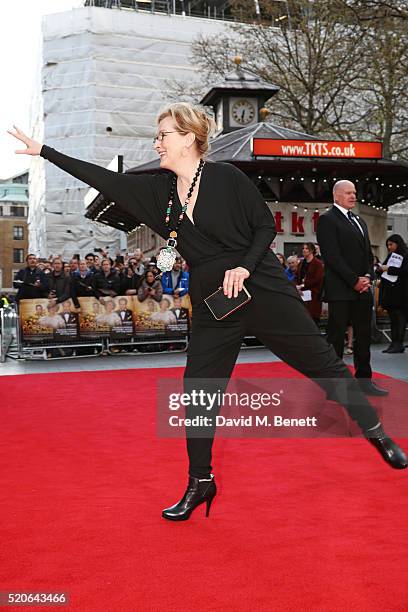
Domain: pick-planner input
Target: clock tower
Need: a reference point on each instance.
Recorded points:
(238, 100)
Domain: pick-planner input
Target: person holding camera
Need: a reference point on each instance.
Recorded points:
(222, 226)
(150, 287)
(131, 279)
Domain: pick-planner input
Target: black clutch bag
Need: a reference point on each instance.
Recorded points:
(221, 306)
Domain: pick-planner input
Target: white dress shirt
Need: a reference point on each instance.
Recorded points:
(345, 213)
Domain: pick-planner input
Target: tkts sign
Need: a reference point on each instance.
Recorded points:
(297, 223)
(268, 147)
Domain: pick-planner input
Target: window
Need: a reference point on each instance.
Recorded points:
(1, 211)
(18, 232)
(17, 211)
(18, 255)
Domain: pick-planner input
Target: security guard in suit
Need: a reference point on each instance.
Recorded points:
(348, 264)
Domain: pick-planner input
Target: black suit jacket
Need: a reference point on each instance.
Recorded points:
(183, 314)
(72, 319)
(128, 314)
(346, 254)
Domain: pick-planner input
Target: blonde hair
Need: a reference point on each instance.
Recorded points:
(191, 118)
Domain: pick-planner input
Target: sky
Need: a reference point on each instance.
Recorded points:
(19, 53)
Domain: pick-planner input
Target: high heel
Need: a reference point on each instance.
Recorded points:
(199, 490)
(209, 502)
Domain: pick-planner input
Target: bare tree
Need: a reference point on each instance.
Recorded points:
(383, 84)
(340, 74)
(315, 65)
(376, 10)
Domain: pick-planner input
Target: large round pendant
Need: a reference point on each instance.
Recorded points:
(166, 259)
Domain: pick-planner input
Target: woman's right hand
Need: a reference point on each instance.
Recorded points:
(33, 147)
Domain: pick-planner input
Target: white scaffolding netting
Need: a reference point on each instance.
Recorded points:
(103, 80)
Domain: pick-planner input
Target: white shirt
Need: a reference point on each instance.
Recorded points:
(345, 213)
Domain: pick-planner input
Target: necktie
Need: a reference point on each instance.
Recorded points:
(353, 222)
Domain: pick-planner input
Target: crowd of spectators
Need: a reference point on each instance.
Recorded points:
(100, 276)
(307, 273)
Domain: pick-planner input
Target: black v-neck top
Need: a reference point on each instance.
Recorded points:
(232, 226)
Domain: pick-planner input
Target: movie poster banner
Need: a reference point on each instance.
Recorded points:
(170, 317)
(107, 317)
(120, 318)
(42, 320)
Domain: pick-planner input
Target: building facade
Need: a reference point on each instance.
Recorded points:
(13, 228)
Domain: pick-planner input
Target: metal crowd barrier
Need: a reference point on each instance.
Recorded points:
(8, 325)
(12, 345)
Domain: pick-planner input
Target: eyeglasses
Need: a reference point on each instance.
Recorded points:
(161, 135)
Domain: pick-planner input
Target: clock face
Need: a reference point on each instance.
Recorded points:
(242, 112)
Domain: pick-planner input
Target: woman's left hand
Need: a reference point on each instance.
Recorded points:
(383, 268)
(233, 281)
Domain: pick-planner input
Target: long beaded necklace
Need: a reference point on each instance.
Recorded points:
(168, 254)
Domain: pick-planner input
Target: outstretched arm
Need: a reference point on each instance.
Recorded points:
(139, 196)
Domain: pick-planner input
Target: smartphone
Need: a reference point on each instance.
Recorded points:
(221, 306)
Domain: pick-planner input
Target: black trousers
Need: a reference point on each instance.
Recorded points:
(398, 322)
(359, 312)
(283, 324)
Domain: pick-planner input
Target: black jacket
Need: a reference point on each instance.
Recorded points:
(106, 285)
(132, 282)
(82, 287)
(346, 254)
(27, 291)
(395, 295)
(61, 284)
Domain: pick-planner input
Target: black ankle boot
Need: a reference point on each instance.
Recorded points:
(388, 449)
(397, 348)
(199, 490)
(389, 348)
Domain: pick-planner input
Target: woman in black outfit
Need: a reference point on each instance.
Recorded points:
(223, 230)
(394, 295)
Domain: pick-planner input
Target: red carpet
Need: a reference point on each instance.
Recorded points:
(317, 525)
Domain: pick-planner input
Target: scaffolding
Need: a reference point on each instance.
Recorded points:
(278, 13)
(210, 9)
